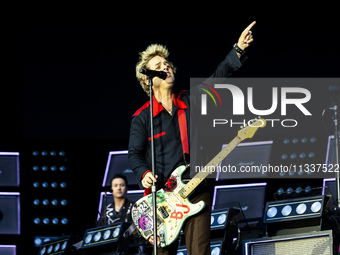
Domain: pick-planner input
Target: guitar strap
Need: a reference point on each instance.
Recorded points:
(182, 122)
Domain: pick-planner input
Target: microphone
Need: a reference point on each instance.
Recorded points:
(153, 73)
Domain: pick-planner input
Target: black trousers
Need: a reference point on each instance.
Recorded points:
(196, 229)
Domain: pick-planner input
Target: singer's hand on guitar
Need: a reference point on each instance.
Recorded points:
(246, 38)
(148, 179)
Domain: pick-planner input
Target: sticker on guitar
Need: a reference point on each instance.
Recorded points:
(171, 184)
(143, 208)
(145, 222)
(140, 215)
(178, 214)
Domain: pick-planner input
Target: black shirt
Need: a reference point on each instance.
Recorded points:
(167, 138)
(124, 214)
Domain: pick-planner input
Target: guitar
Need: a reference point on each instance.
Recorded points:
(173, 205)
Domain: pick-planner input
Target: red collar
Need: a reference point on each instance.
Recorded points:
(157, 107)
(179, 103)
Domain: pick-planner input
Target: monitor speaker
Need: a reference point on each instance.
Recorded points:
(312, 243)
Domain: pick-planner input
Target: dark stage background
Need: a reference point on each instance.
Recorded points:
(79, 76)
(78, 89)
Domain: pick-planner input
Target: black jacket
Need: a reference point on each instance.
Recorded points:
(124, 214)
(167, 139)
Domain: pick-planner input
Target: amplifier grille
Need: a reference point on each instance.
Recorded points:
(313, 243)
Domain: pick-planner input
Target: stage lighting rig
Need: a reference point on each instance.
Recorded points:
(58, 246)
(301, 155)
(298, 189)
(296, 215)
(49, 192)
(102, 239)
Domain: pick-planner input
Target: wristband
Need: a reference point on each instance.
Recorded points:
(238, 49)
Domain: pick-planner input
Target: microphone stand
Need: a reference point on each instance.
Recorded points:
(153, 187)
(104, 210)
(337, 174)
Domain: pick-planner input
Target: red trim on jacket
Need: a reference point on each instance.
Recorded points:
(146, 105)
(157, 107)
(179, 103)
(145, 173)
(156, 136)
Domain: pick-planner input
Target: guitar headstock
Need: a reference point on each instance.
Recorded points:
(249, 131)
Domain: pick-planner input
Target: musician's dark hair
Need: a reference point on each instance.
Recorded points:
(119, 176)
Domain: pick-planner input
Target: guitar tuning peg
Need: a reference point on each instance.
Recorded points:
(241, 126)
(259, 117)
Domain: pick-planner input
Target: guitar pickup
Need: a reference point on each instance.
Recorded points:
(163, 212)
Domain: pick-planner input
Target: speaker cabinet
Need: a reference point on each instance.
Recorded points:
(9, 169)
(9, 213)
(8, 249)
(312, 243)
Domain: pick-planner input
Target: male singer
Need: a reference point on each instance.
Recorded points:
(171, 118)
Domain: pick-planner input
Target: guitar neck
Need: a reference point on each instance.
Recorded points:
(210, 167)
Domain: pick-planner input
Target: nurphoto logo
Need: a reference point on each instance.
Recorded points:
(281, 99)
(238, 100)
(204, 97)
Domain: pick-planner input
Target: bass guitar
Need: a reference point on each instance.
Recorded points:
(173, 205)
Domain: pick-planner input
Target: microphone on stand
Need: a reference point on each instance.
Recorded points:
(334, 92)
(153, 73)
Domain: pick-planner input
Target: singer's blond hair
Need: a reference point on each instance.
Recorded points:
(144, 58)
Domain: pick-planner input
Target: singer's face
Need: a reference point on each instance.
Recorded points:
(161, 64)
(119, 188)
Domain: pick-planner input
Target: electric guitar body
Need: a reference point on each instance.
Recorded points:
(173, 205)
(172, 210)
